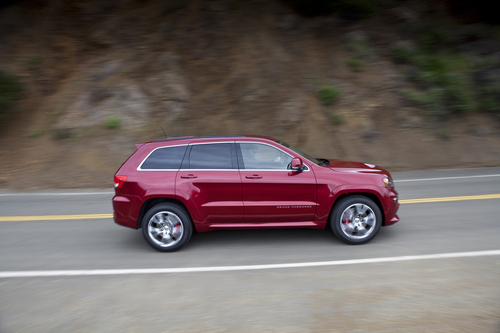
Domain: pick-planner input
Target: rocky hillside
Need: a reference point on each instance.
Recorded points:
(99, 76)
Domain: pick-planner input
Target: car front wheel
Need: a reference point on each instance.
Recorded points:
(356, 220)
(167, 227)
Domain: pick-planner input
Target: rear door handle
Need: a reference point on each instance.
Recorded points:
(253, 177)
(190, 176)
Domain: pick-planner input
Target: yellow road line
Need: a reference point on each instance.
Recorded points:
(54, 217)
(445, 199)
(108, 216)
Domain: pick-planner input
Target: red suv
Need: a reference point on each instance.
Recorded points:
(172, 186)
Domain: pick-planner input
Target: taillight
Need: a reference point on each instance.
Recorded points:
(119, 180)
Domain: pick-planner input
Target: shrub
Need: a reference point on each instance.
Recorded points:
(337, 118)
(459, 95)
(489, 98)
(412, 96)
(356, 65)
(360, 49)
(36, 133)
(10, 91)
(432, 100)
(435, 68)
(401, 55)
(112, 122)
(328, 94)
(450, 83)
(34, 59)
(432, 38)
(446, 82)
(444, 133)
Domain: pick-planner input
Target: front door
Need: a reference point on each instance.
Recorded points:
(272, 192)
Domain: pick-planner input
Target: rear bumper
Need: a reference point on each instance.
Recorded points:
(122, 212)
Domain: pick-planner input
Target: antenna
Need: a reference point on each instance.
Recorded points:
(164, 132)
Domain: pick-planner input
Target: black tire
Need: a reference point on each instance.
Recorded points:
(356, 220)
(167, 227)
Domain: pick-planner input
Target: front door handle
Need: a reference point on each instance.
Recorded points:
(190, 176)
(253, 177)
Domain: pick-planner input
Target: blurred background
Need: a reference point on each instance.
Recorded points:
(404, 84)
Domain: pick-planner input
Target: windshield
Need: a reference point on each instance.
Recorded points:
(312, 159)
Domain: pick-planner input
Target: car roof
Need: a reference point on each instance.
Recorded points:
(193, 139)
(198, 137)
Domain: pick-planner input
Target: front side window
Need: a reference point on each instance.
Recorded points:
(261, 156)
(211, 156)
(164, 158)
(312, 159)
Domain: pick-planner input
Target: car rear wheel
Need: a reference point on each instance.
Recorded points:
(356, 220)
(167, 227)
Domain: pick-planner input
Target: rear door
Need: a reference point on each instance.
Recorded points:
(210, 183)
(272, 192)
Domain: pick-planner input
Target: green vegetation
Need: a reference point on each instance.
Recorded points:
(355, 65)
(401, 55)
(112, 122)
(10, 91)
(444, 77)
(489, 98)
(448, 83)
(360, 49)
(444, 133)
(35, 59)
(337, 118)
(432, 38)
(36, 133)
(59, 136)
(432, 100)
(328, 94)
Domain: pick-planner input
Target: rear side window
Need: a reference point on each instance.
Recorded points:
(165, 158)
(211, 156)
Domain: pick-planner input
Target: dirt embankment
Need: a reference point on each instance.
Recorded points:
(100, 76)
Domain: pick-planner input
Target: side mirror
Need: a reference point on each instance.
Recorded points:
(297, 164)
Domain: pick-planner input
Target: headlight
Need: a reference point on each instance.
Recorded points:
(388, 182)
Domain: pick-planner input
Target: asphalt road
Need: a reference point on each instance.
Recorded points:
(459, 294)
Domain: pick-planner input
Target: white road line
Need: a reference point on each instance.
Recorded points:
(443, 178)
(20, 274)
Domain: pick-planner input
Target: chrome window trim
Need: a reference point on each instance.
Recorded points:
(208, 143)
(139, 168)
(187, 170)
(267, 170)
(157, 169)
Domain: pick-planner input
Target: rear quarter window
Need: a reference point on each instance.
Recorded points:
(164, 158)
